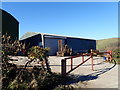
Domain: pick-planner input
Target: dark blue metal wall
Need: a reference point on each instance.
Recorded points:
(52, 43)
(81, 45)
(32, 41)
(78, 45)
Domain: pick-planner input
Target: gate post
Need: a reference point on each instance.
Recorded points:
(82, 58)
(92, 61)
(110, 52)
(63, 67)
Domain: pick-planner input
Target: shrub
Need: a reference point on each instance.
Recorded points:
(37, 78)
(11, 47)
(116, 55)
(39, 53)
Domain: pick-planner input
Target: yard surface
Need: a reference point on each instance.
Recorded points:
(105, 75)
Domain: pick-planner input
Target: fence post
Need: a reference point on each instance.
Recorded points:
(63, 67)
(82, 58)
(92, 61)
(110, 55)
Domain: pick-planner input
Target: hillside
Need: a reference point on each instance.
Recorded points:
(108, 44)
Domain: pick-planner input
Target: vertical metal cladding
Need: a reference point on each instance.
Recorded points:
(9, 25)
(81, 45)
(32, 41)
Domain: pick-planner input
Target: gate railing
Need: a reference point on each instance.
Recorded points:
(64, 72)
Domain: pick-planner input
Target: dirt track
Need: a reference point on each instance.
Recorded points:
(105, 75)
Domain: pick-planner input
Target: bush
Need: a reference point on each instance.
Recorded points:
(116, 55)
(41, 80)
(37, 78)
(10, 47)
(39, 53)
(64, 87)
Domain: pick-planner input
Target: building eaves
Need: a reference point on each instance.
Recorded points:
(30, 34)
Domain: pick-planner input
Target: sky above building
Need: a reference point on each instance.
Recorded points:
(95, 20)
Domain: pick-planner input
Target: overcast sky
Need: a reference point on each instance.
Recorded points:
(95, 20)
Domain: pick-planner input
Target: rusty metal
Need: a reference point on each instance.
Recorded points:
(92, 61)
(78, 65)
(64, 73)
(82, 58)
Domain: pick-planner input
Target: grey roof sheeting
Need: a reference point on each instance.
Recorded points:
(30, 34)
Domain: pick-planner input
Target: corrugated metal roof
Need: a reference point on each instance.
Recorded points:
(30, 34)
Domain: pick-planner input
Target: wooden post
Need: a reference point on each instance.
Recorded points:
(82, 58)
(63, 67)
(92, 61)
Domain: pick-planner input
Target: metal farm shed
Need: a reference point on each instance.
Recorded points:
(52, 41)
(9, 25)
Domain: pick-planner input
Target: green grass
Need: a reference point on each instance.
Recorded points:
(107, 44)
(110, 44)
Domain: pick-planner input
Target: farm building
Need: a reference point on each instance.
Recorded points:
(53, 41)
(9, 25)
